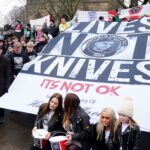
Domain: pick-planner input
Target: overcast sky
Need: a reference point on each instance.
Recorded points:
(6, 6)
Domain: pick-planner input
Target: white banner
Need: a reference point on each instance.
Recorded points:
(100, 68)
(85, 16)
(135, 12)
(131, 13)
(40, 21)
(28, 92)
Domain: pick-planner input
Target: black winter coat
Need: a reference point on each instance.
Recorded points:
(53, 30)
(4, 74)
(54, 124)
(81, 127)
(129, 139)
(102, 144)
(17, 61)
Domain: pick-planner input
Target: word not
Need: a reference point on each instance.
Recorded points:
(79, 87)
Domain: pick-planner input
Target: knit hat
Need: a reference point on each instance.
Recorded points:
(126, 107)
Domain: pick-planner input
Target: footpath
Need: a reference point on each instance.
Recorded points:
(15, 133)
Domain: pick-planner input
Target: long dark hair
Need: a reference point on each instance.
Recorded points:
(71, 103)
(45, 107)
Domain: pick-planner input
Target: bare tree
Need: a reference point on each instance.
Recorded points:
(14, 14)
(62, 7)
(132, 3)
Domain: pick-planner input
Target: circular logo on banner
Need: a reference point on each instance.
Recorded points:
(135, 10)
(104, 46)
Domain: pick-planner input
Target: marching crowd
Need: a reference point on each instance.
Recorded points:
(22, 46)
(36, 34)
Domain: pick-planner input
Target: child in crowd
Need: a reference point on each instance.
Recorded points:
(127, 132)
(103, 130)
(30, 51)
(14, 39)
(17, 59)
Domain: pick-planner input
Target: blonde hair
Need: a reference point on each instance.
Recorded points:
(17, 44)
(30, 43)
(132, 123)
(100, 128)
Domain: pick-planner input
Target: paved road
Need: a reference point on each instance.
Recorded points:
(15, 133)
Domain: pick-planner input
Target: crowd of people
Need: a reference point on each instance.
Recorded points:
(21, 46)
(39, 35)
(107, 134)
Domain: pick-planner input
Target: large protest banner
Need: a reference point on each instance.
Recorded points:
(100, 68)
